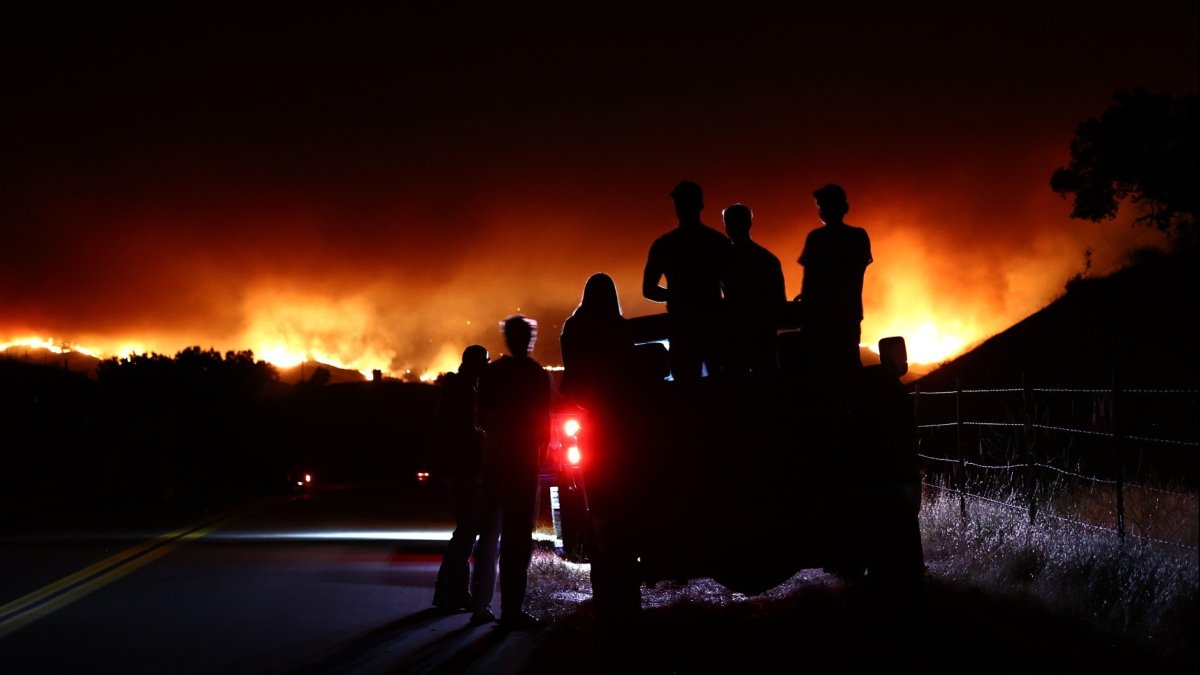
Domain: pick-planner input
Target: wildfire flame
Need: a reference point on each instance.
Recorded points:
(926, 342)
(942, 298)
(49, 344)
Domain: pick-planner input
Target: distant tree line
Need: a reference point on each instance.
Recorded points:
(194, 373)
(197, 425)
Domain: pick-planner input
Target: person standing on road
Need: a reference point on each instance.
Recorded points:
(514, 406)
(460, 444)
(598, 375)
(693, 258)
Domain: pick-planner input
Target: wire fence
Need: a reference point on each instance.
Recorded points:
(1068, 454)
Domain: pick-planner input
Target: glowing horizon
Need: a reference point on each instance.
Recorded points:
(927, 345)
(275, 355)
(913, 290)
(938, 285)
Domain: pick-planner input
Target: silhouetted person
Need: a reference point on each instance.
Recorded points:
(754, 296)
(598, 361)
(514, 406)
(900, 561)
(597, 349)
(885, 533)
(460, 443)
(835, 259)
(693, 258)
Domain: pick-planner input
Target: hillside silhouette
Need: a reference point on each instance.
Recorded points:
(76, 362)
(306, 371)
(1137, 324)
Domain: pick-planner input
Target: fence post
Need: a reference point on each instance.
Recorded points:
(1118, 455)
(917, 422)
(961, 473)
(1027, 415)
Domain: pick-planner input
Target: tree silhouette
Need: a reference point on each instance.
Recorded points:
(193, 372)
(1142, 148)
(187, 425)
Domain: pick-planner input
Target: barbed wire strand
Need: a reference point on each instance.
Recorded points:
(972, 495)
(1065, 472)
(1107, 530)
(1059, 390)
(1069, 430)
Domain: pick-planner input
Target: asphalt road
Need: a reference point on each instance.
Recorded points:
(326, 582)
(340, 581)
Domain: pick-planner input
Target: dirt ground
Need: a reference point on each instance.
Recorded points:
(849, 629)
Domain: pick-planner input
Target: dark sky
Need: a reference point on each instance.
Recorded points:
(380, 189)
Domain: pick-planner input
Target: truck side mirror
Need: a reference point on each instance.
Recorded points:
(893, 355)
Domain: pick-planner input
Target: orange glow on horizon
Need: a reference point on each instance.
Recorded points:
(50, 344)
(926, 345)
(943, 288)
(278, 354)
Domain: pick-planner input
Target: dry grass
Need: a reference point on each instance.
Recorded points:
(1072, 561)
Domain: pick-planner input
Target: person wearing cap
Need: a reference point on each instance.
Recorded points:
(693, 258)
(835, 259)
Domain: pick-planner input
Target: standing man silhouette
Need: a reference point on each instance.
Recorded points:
(693, 258)
(835, 259)
(514, 406)
(754, 295)
(460, 440)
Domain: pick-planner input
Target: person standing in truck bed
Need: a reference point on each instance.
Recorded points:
(693, 258)
(835, 260)
(754, 297)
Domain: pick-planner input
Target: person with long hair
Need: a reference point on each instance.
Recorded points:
(596, 348)
(599, 376)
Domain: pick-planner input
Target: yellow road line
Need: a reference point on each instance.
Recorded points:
(94, 577)
(38, 595)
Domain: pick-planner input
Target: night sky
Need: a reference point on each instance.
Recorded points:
(380, 189)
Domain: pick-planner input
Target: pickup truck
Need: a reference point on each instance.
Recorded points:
(744, 479)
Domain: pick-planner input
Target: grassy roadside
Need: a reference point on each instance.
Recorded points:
(1002, 594)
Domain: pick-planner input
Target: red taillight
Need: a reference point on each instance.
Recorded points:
(308, 478)
(569, 441)
(571, 427)
(422, 476)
